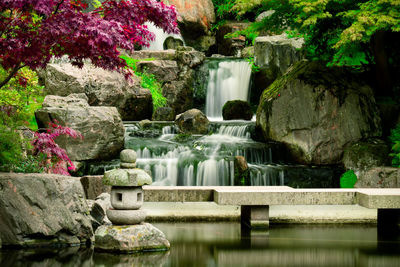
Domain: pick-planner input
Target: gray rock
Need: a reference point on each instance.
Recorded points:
(157, 54)
(237, 110)
(364, 155)
(172, 43)
(248, 52)
(163, 70)
(126, 217)
(179, 96)
(192, 121)
(379, 177)
(43, 210)
(99, 208)
(73, 100)
(275, 54)
(188, 56)
(103, 88)
(145, 124)
(264, 15)
(126, 177)
(164, 114)
(101, 128)
(93, 186)
(128, 156)
(128, 239)
(317, 111)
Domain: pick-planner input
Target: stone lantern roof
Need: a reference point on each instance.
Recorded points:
(127, 175)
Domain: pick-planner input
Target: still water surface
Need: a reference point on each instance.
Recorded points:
(226, 244)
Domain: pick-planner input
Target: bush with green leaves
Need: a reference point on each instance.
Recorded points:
(19, 98)
(395, 140)
(149, 81)
(348, 179)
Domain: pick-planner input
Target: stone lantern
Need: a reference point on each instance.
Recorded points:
(128, 233)
(126, 190)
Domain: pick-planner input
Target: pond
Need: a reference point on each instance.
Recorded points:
(226, 244)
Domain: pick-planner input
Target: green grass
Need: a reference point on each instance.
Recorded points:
(149, 81)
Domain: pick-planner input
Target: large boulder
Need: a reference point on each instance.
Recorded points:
(163, 70)
(192, 121)
(316, 111)
(101, 127)
(237, 110)
(194, 16)
(179, 96)
(103, 88)
(43, 210)
(164, 114)
(379, 177)
(275, 54)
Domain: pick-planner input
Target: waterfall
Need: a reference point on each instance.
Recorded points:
(160, 37)
(230, 80)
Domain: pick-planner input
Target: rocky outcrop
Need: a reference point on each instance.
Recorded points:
(101, 127)
(179, 96)
(237, 110)
(39, 210)
(316, 111)
(364, 155)
(379, 177)
(93, 186)
(163, 70)
(194, 17)
(175, 74)
(231, 46)
(103, 88)
(192, 121)
(164, 114)
(274, 55)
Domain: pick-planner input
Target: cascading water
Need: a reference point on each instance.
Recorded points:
(229, 79)
(160, 37)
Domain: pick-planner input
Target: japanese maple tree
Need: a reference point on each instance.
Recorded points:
(33, 31)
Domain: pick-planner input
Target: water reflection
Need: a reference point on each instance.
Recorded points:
(226, 244)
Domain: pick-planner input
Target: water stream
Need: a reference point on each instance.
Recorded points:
(176, 159)
(160, 37)
(228, 80)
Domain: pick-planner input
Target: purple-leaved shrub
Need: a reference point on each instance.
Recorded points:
(56, 159)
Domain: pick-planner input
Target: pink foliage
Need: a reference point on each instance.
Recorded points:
(32, 31)
(56, 158)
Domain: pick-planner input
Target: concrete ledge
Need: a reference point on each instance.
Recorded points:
(274, 195)
(379, 198)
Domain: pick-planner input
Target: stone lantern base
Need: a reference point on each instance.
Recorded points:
(130, 238)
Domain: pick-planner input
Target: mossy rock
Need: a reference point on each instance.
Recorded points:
(237, 110)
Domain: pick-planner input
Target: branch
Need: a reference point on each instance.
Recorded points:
(11, 74)
(58, 6)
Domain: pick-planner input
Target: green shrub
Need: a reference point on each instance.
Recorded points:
(148, 81)
(395, 140)
(348, 179)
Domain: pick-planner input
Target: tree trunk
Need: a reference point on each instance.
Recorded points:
(10, 75)
(382, 71)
